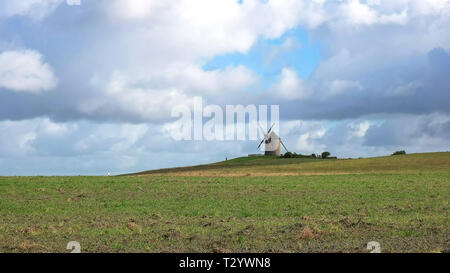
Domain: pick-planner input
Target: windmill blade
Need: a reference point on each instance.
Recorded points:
(283, 146)
(262, 131)
(260, 144)
(268, 132)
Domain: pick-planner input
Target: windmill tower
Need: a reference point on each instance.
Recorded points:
(272, 142)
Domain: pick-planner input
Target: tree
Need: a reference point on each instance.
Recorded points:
(399, 153)
(325, 154)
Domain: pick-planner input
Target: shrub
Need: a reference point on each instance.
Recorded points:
(399, 153)
(295, 155)
(325, 154)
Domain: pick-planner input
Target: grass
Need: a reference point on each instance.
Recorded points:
(256, 204)
(273, 166)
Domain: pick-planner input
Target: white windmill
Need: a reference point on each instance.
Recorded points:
(272, 142)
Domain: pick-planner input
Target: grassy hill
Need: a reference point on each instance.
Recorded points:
(267, 166)
(250, 204)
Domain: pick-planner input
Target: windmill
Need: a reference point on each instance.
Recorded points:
(272, 142)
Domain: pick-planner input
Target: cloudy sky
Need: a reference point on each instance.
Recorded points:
(89, 88)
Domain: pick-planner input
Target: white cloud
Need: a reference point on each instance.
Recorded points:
(25, 71)
(289, 44)
(404, 89)
(204, 28)
(310, 142)
(46, 126)
(291, 86)
(196, 80)
(37, 9)
(360, 129)
(303, 136)
(342, 86)
(42, 146)
(396, 18)
(131, 95)
(111, 138)
(16, 137)
(430, 7)
(152, 93)
(133, 9)
(357, 13)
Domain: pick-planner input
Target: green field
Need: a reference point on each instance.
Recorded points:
(256, 204)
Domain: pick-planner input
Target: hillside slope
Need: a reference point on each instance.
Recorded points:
(273, 166)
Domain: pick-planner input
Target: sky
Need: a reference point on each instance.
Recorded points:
(88, 89)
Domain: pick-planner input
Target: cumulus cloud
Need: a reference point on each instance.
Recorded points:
(37, 9)
(132, 9)
(47, 147)
(290, 43)
(151, 95)
(340, 86)
(25, 71)
(291, 86)
(170, 43)
(430, 131)
(369, 137)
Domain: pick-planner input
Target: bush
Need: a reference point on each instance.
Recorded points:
(325, 155)
(295, 155)
(399, 153)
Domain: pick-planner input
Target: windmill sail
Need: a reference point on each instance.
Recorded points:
(272, 142)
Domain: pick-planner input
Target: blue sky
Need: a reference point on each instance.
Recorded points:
(267, 57)
(89, 89)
